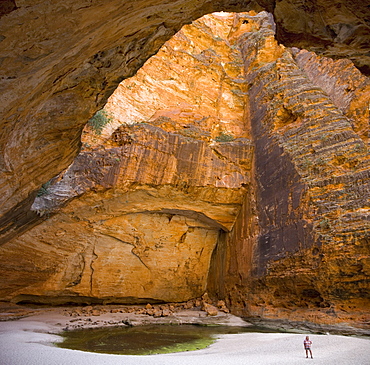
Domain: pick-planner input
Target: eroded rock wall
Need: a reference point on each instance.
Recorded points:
(312, 170)
(142, 227)
(284, 236)
(327, 28)
(138, 214)
(60, 61)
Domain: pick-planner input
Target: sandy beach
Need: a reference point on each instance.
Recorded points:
(28, 341)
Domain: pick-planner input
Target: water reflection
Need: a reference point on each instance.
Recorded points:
(151, 339)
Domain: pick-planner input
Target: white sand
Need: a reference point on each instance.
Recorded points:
(25, 342)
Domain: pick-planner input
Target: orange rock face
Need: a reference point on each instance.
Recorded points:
(146, 201)
(312, 169)
(61, 62)
(232, 164)
(194, 86)
(347, 88)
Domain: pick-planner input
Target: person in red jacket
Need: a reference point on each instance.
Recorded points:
(307, 343)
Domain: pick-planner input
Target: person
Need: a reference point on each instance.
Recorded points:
(307, 343)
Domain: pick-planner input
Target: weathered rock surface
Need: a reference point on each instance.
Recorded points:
(60, 61)
(312, 170)
(327, 28)
(193, 86)
(146, 209)
(347, 88)
(298, 217)
(145, 227)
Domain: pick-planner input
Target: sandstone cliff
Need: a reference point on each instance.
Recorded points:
(275, 221)
(61, 60)
(312, 169)
(147, 202)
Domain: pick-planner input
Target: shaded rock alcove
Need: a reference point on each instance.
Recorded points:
(294, 196)
(213, 181)
(147, 200)
(61, 61)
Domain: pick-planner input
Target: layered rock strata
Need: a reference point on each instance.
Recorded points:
(312, 170)
(136, 219)
(60, 61)
(144, 227)
(285, 236)
(347, 88)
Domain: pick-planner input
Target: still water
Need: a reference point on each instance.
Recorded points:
(146, 340)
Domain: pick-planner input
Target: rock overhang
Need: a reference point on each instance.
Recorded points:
(286, 118)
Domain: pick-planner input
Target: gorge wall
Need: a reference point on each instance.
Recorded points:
(61, 61)
(137, 215)
(312, 185)
(247, 178)
(253, 169)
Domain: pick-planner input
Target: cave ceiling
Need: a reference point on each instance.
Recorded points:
(60, 61)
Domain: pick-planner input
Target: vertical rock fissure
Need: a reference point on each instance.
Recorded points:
(94, 256)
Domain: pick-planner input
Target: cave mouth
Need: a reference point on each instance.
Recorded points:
(214, 198)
